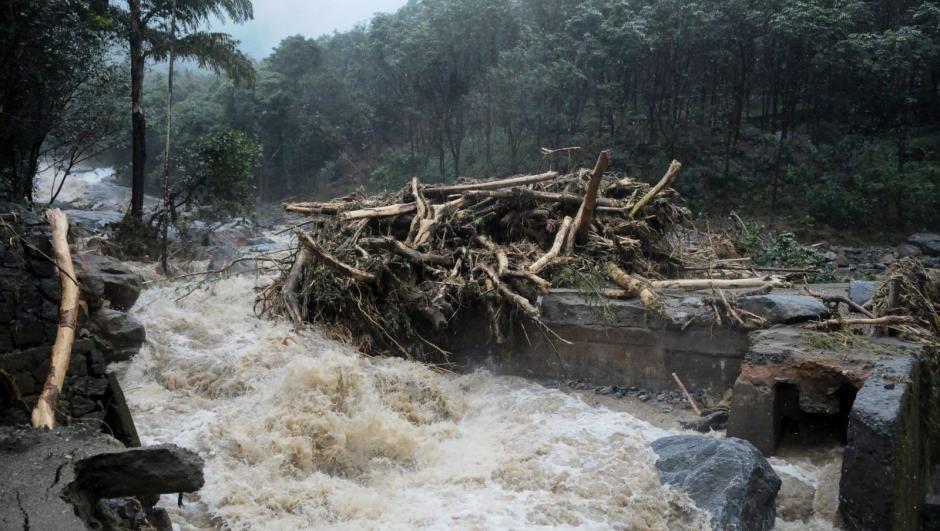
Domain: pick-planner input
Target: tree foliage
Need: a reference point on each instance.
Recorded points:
(48, 50)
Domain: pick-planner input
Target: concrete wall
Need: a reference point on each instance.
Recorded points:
(612, 342)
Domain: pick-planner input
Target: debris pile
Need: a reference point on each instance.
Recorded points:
(391, 270)
(911, 292)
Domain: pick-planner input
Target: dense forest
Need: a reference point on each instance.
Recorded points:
(821, 111)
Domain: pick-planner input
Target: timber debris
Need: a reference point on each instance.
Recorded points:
(391, 270)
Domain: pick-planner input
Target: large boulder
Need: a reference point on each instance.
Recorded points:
(780, 308)
(122, 334)
(67, 478)
(106, 279)
(140, 471)
(861, 291)
(728, 478)
(929, 243)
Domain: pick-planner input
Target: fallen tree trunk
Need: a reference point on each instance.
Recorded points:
(547, 258)
(44, 413)
(378, 212)
(491, 185)
(664, 182)
(409, 253)
(636, 286)
(504, 291)
(291, 286)
(344, 269)
(310, 208)
(547, 197)
(582, 221)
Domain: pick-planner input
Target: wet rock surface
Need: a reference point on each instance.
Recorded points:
(929, 243)
(728, 478)
(68, 478)
(106, 279)
(861, 291)
(123, 334)
(781, 308)
(140, 471)
(883, 482)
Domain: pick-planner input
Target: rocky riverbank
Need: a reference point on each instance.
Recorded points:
(85, 474)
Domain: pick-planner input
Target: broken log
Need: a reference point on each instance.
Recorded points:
(688, 396)
(491, 185)
(378, 212)
(438, 212)
(44, 413)
(344, 269)
(546, 197)
(291, 286)
(409, 253)
(542, 284)
(421, 206)
(586, 213)
(547, 258)
(504, 291)
(635, 285)
(502, 261)
(315, 208)
(664, 182)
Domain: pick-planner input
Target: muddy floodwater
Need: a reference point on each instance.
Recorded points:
(298, 431)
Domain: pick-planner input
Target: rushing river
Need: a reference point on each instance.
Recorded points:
(299, 431)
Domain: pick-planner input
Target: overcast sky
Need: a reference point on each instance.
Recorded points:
(276, 19)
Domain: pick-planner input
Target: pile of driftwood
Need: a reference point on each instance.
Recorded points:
(389, 272)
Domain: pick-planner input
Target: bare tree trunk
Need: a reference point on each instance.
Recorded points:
(44, 412)
(138, 123)
(165, 222)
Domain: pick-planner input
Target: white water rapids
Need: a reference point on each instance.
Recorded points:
(302, 432)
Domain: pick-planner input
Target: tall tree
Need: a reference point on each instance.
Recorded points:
(149, 38)
(48, 51)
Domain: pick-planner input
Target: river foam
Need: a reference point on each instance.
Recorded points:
(298, 432)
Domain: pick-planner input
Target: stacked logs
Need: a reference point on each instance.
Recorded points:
(391, 271)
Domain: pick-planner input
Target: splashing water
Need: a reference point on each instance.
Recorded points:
(298, 431)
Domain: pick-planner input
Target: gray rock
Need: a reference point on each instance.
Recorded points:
(929, 243)
(882, 469)
(778, 308)
(37, 465)
(861, 291)
(224, 255)
(140, 471)
(728, 478)
(908, 249)
(106, 279)
(122, 334)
